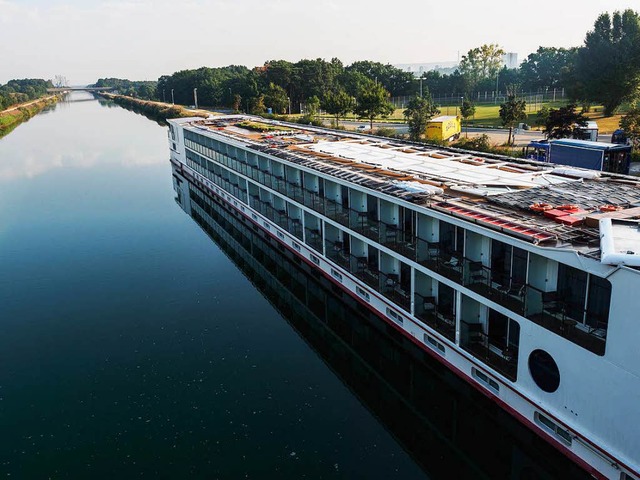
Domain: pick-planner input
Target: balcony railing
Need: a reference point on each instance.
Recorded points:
(395, 290)
(551, 311)
(502, 358)
(426, 309)
(335, 251)
(313, 238)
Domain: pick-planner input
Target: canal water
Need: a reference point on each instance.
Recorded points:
(139, 338)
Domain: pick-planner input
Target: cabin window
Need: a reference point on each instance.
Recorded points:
(433, 343)
(572, 289)
(553, 428)
(598, 303)
(363, 293)
(396, 317)
(485, 379)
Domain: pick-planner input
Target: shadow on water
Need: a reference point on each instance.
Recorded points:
(448, 428)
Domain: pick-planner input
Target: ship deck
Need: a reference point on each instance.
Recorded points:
(495, 191)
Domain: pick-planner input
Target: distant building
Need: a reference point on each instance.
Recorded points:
(419, 68)
(510, 60)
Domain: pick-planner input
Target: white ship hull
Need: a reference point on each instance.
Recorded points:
(576, 425)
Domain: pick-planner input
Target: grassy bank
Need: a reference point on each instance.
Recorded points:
(158, 111)
(11, 118)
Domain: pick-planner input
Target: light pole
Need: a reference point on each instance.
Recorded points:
(497, 76)
(172, 102)
(289, 102)
(195, 97)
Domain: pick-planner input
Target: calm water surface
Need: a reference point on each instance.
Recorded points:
(132, 345)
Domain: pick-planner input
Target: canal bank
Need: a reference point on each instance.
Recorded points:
(158, 111)
(14, 116)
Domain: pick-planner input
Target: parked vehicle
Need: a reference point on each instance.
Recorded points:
(606, 157)
(590, 132)
(444, 128)
(619, 137)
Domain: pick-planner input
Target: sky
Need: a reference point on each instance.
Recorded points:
(143, 39)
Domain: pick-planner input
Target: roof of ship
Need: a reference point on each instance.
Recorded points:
(495, 191)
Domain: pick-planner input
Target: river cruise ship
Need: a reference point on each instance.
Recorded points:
(522, 277)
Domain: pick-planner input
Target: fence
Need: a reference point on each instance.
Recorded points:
(535, 99)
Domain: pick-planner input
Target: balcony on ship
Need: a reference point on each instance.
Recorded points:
(490, 336)
(295, 221)
(434, 304)
(313, 232)
(337, 246)
(395, 281)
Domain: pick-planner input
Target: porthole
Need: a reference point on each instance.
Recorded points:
(544, 371)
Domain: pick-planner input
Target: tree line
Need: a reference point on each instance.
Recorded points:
(24, 90)
(604, 70)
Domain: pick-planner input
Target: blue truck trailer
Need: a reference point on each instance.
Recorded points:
(606, 157)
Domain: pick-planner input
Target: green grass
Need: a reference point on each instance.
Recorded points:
(10, 120)
(489, 116)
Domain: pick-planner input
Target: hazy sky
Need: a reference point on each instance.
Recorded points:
(143, 39)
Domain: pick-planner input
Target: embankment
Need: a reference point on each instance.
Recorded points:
(153, 110)
(14, 116)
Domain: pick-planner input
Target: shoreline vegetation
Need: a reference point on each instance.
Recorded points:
(11, 118)
(157, 111)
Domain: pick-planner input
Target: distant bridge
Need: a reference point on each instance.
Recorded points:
(75, 89)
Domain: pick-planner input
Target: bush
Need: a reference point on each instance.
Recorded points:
(309, 120)
(386, 132)
(480, 144)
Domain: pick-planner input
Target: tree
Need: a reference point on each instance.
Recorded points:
(257, 105)
(237, 101)
(467, 110)
(372, 102)
(60, 81)
(565, 122)
(511, 112)
(337, 103)
(542, 116)
(630, 123)
(312, 105)
(546, 67)
(480, 63)
(609, 61)
(276, 98)
(418, 113)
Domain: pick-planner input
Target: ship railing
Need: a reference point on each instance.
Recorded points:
(404, 243)
(313, 200)
(366, 272)
(497, 353)
(395, 290)
(362, 223)
(335, 251)
(337, 212)
(313, 238)
(443, 261)
(295, 228)
(294, 191)
(552, 311)
(426, 309)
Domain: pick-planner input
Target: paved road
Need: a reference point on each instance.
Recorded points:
(496, 135)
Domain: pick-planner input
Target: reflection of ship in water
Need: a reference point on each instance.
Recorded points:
(450, 429)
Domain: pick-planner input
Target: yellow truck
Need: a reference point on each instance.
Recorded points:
(444, 129)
